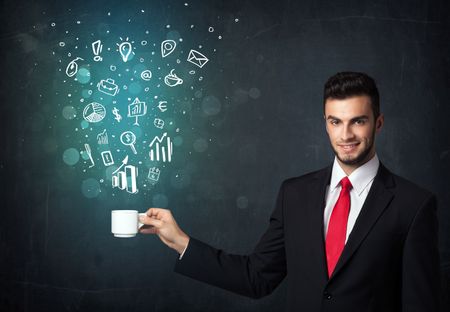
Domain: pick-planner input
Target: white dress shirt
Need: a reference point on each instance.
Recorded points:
(361, 179)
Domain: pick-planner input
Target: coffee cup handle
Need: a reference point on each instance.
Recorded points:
(139, 223)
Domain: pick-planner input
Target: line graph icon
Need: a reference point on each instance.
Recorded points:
(102, 138)
(161, 148)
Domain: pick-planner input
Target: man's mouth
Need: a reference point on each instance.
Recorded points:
(348, 147)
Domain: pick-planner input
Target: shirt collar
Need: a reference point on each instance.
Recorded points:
(360, 177)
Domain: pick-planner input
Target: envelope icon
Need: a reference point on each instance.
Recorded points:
(197, 58)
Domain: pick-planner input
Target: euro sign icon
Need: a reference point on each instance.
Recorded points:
(162, 106)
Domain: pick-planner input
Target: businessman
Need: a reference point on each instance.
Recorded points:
(350, 237)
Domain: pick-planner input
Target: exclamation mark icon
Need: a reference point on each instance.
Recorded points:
(97, 47)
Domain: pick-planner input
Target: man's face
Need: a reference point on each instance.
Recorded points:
(351, 126)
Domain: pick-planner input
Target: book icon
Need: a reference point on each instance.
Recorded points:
(161, 149)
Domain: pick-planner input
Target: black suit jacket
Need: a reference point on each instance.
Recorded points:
(390, 261)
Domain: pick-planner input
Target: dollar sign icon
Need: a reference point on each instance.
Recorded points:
(115, 111)
(128, 138)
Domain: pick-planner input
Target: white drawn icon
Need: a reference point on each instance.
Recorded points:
(137, 109)
(161, 150)
(162, 105)
(197, 58)
(97, 47)
(107, 158)
(159, 123)
(153, 174)
(172, 79)
(94, 112)
(102, 138)
(128, 138)
(125, 50)
(167, 47)
(146, 75)
(89, 153)
(108, 87)
(126, 179)
(115, 112)
(72, 67)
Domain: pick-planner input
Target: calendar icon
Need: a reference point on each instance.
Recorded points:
(153, 174)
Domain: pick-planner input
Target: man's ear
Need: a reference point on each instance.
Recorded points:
(379, 122)
(325, 119)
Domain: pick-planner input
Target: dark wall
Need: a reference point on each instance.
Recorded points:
(56, 249)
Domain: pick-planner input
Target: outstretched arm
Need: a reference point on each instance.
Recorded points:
(255, 275)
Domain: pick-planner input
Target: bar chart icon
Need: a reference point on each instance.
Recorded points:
(161, 149)
(125, 177)
(136, 110)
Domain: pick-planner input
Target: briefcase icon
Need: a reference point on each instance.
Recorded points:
(197, 58)
(108, 87)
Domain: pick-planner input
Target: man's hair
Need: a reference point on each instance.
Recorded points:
(347, 84)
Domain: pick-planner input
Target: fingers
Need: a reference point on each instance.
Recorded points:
(151, 221)
(157, 213)
(148, 230)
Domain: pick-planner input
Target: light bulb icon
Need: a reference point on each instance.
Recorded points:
(125, 50)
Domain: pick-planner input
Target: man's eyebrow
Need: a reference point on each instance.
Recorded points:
(360, 117)
(353, 119)
(332, 117)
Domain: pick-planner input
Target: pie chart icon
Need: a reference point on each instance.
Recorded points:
(94, 112)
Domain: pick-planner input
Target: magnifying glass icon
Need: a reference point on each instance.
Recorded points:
(128, 138)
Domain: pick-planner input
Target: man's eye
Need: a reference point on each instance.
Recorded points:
(360, 122)
(334, 122)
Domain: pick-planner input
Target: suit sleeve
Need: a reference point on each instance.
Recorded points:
(421, 264)
(255, 275)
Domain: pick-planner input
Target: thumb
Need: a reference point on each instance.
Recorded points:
(148, 230)
(151, 221)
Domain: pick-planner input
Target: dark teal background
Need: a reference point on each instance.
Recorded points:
(268, 72)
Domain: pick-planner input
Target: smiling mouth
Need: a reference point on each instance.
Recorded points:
(348, 147)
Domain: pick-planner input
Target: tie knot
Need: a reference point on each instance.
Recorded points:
(346, 184)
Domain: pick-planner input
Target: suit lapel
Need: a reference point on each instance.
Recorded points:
(316, 193)
(376, 202)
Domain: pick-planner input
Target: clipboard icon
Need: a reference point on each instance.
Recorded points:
(197, 58)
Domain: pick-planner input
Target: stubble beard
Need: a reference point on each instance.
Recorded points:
(359, 159)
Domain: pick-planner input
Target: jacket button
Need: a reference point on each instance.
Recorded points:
(327, 295)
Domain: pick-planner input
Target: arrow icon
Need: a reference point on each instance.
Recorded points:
(162, 106)
(124, 162)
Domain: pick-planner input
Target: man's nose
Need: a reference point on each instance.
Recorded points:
(347, 133)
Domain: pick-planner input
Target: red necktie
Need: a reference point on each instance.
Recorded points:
(337, 226)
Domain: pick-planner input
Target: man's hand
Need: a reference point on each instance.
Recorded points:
(161, 222)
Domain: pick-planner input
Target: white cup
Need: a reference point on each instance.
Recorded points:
(125, 223)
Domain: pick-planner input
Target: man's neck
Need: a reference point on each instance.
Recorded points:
(348, 169)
